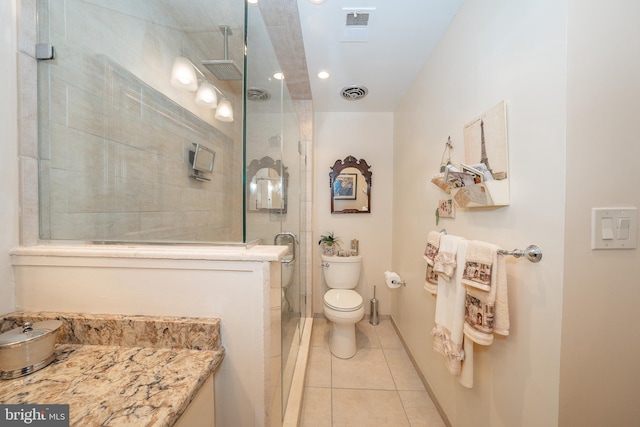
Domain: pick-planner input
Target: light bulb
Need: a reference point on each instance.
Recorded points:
(224, 112)
(183, 75)
(206, 96)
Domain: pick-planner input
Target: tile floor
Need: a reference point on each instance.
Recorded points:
(379, 386)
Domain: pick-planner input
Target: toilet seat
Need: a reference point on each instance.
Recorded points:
(343, 300)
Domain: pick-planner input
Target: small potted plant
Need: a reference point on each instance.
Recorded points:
(330, 244)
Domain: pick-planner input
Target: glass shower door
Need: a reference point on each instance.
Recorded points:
(293, 302)
(273, 191)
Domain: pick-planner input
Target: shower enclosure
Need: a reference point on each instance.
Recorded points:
(119, 142)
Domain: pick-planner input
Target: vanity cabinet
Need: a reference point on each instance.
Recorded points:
(200, 412)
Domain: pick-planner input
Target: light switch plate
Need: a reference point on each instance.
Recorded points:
(614, 228)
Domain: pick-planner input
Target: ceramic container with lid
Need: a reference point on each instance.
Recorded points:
(28, 348)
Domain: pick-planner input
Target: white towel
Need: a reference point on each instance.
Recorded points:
(431, 281)
(433, 244)
(430, 252)
(466, 376)
(487, 312)
(450, 304)
(444, 262)
(479, 264)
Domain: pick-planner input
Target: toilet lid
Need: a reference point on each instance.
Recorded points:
(343, 299)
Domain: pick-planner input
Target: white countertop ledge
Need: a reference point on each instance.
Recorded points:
(173, 252)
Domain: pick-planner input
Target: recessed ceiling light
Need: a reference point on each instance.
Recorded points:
(278, 76)
(252, 1)
(323, 75)
(317, 1)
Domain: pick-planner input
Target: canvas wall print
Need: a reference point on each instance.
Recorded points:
(446, 209)
(485, 143)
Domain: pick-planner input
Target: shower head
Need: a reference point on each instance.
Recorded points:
(224, 69)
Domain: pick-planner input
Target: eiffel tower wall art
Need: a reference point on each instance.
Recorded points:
(485, 150)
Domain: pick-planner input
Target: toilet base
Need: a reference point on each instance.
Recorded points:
(342, 342)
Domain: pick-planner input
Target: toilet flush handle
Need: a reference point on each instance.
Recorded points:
(326, 264)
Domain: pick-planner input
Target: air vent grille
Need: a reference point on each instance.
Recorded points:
(361, 19)
(354, 93)
(257, 94)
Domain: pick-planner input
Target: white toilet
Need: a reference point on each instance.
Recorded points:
(342, 305)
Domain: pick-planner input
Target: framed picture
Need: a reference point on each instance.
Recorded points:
(345, 186)
(446, 209)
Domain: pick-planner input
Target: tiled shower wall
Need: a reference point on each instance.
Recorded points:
(114, 151)
(118, 166)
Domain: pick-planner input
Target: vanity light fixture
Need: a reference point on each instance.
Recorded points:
(323, 75)
(224, 112)
(207, 96)
(183, 74)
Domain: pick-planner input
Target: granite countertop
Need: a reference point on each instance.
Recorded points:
(110, 382)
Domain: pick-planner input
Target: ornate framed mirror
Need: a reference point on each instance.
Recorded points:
(267, 182)
(350, 184)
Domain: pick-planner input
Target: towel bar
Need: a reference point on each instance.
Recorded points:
(532, 252)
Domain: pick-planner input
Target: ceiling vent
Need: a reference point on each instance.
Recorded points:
(355, 18)
(257, 94)
(354, 93)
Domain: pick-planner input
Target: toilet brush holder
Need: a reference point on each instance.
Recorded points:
(374, 309)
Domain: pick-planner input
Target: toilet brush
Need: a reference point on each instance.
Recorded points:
(374, 309)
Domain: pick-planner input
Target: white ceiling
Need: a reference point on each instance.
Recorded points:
(399, 37)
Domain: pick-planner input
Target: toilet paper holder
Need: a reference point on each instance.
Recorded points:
(399, 282)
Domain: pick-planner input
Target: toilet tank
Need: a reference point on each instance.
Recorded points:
(341, 272)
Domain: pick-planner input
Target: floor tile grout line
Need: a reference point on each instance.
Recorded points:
(385, 351)
(404, 408)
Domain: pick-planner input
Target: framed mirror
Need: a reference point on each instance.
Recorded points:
(267, 181)
(350, 183)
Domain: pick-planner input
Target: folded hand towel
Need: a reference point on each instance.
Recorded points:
(444, 262)
(431, 281)
(478, 265)
(433, 243)
(487, 312)
(501, 323)
(450, 304)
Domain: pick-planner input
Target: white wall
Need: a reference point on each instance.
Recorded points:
(364, 136)
(8, 152)
(600, 379)
(494, 50)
